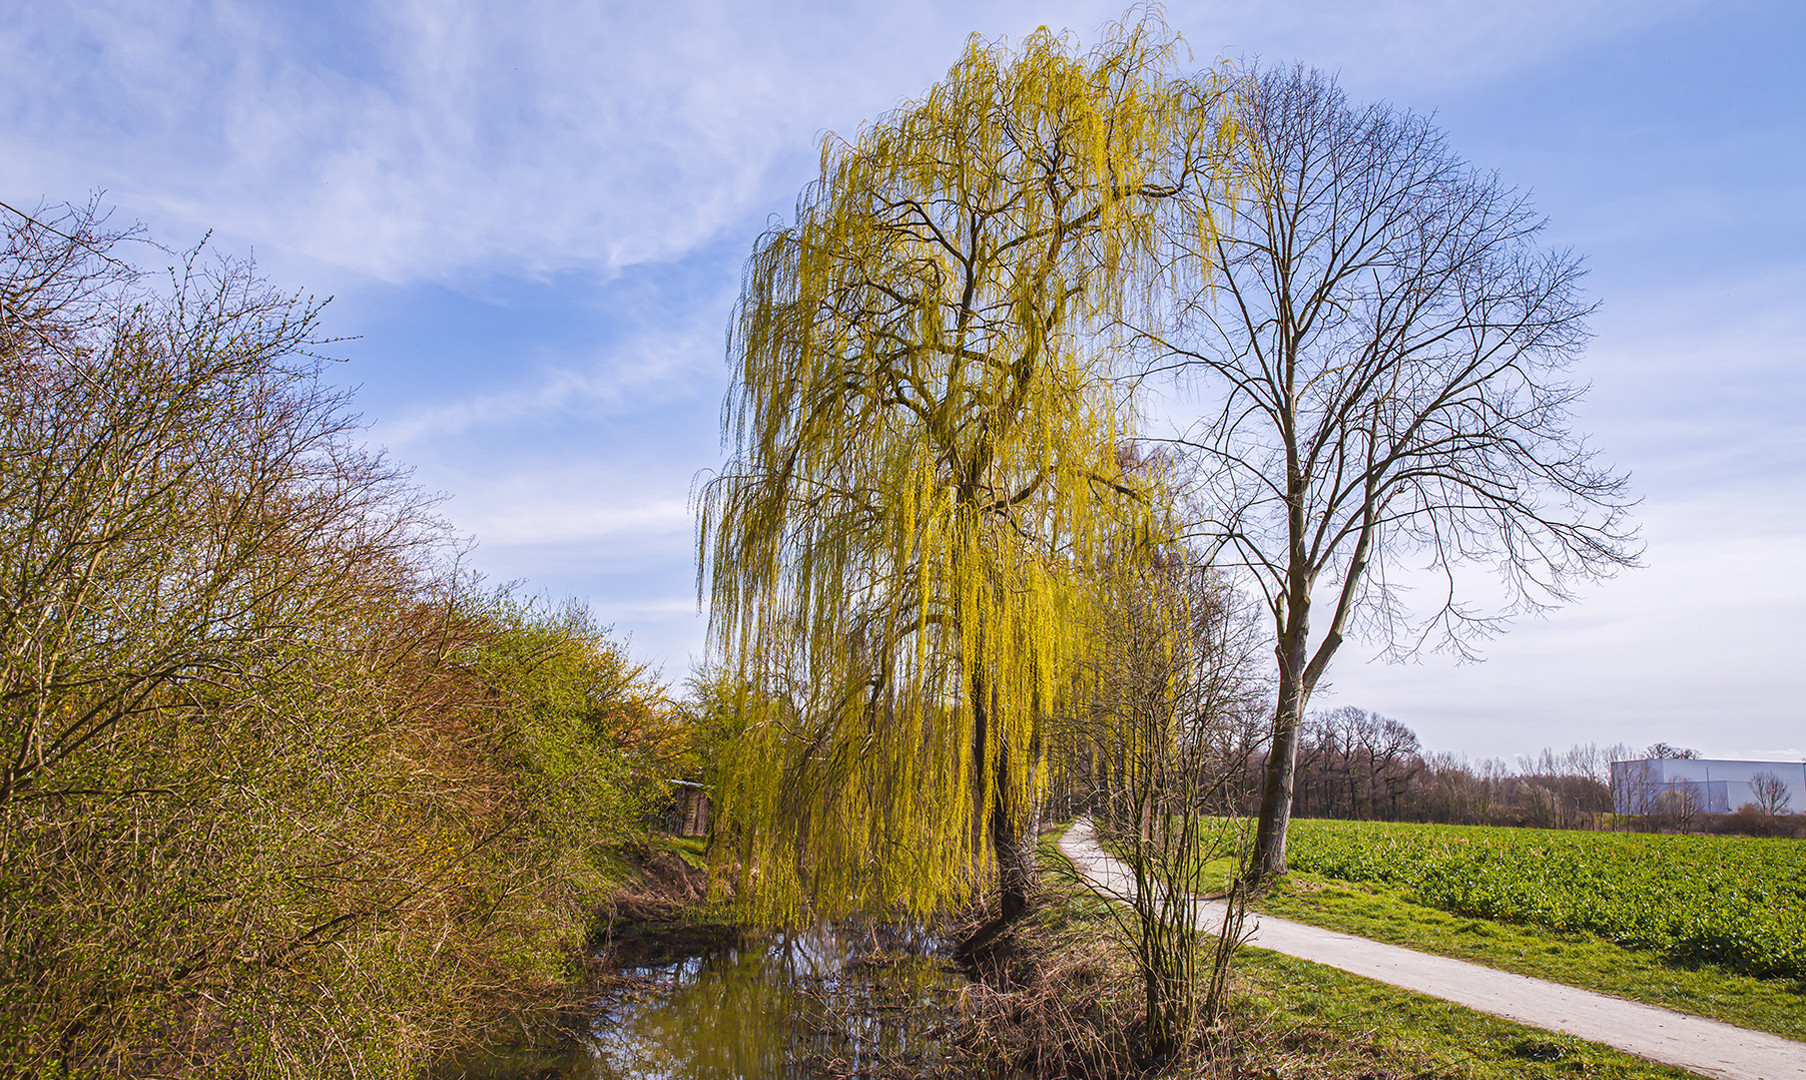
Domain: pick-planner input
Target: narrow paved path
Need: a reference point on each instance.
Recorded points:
(1706, 1047)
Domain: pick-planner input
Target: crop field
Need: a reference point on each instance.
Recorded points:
(1739, 902)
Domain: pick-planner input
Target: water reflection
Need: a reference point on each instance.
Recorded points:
(868, 1002)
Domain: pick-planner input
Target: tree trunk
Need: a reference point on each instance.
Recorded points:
(1268, 859)
(1013, 840)
(1010, 828)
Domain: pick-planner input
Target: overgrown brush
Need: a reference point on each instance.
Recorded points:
(1062, 996)
(1064, 1001)
(1074, 1013)
(281, 794)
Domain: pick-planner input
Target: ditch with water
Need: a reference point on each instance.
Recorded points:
(867, 1002)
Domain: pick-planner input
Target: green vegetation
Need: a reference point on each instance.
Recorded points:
(1395, 914)
(282, 793)
(928, 465)
(1737, 902)
(1305, 1020)
(1286, 1017)
(1382, 913)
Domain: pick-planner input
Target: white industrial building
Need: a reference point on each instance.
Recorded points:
(1717, 787)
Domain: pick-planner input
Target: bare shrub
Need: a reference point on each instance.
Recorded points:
(1173, 690)
(1772, 794)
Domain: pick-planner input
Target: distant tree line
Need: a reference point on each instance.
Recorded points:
(1359, 765)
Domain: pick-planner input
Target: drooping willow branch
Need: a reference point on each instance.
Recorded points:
(927, 463)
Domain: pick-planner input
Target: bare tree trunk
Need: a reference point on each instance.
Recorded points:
(1268, 858)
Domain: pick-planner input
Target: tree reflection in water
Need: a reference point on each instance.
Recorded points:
(870, 1002)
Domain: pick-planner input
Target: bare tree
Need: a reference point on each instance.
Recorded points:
(179, 491)
(1635, 789)
(1392, 760)
(1681, 803)
(1772, 796)
(1383, 348)
(1175, 678)
(1570, 784)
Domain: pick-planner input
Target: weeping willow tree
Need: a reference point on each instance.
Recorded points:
(926, 464)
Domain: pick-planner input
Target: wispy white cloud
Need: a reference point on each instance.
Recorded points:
(559, 518)
(526, 139)
(644, 373)
(410, 140)
(598, 502)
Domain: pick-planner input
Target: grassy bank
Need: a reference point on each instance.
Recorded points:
(1296, 1019)
(1384, 913)
(1300, 1019)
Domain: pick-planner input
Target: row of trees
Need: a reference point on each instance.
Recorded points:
(282, 792)
(1355, 764)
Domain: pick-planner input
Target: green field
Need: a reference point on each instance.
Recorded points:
(1294, 1018)
(1736, 902)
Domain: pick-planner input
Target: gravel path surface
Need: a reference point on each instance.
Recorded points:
(1706, 1047)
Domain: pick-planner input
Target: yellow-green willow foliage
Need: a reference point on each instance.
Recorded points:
(927, 463)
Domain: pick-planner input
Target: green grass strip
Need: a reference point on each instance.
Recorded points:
(1383, 913)
(1317, 1021)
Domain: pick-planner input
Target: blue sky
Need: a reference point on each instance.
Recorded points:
(532, 217)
